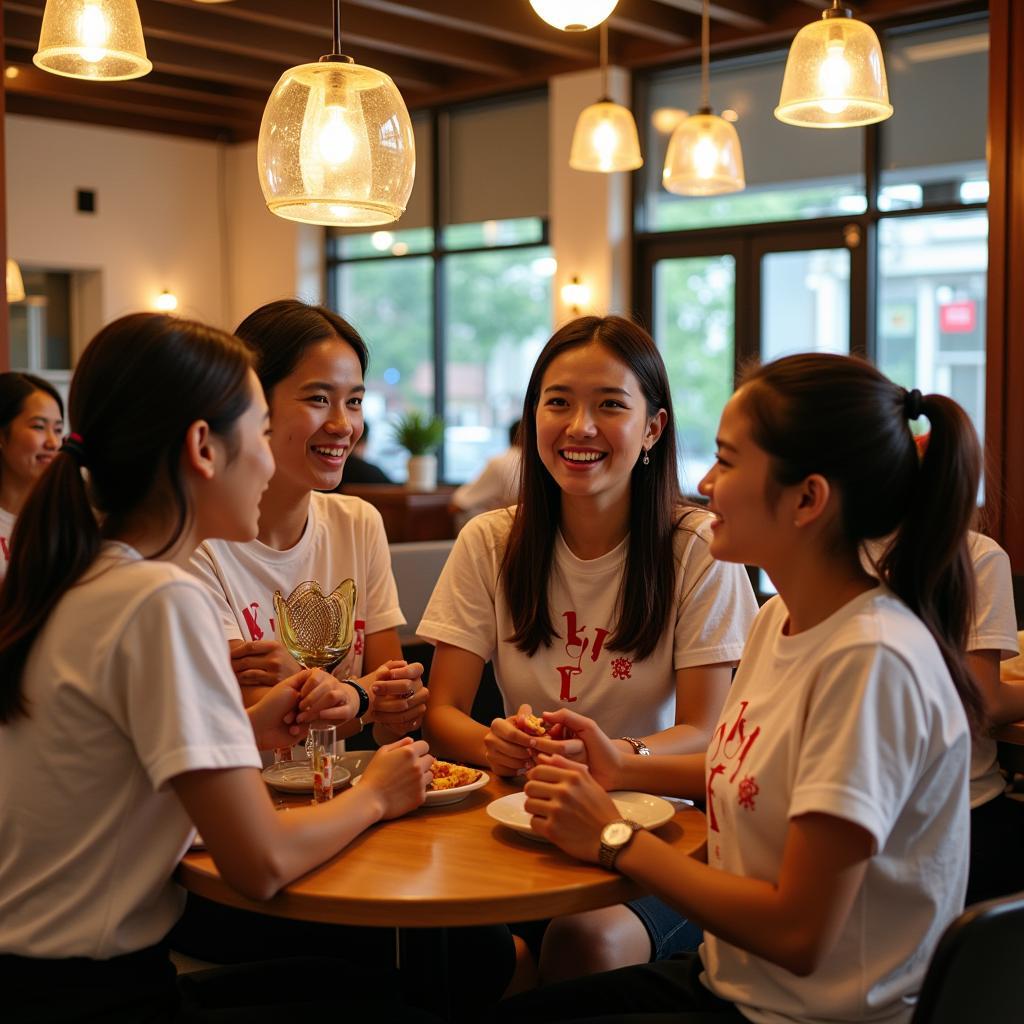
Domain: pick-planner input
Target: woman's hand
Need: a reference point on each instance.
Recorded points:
(568, 807)
(398, 776)
(398, 697)
(326, 697)
(595, 749)
(507, 746)
(273, 717)
(262, 663)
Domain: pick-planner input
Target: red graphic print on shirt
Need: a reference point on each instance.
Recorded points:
(360, 638)
(748, 789)
(621, 668)
(249, 614)
(576, 645)
(6, 549)
(730, 745)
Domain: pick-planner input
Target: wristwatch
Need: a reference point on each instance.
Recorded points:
(364, 697)
(639, 747)
(615, 837)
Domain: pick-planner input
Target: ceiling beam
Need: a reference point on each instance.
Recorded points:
(741, 13)
(653, 21)
(362, 29)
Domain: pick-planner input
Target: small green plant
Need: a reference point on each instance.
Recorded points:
(419, 433)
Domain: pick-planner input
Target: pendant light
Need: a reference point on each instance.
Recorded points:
(15, 284)
(99, 40)
(336, 145)
(704, 156)
(574, 15)
(605, 139)
(835, 76)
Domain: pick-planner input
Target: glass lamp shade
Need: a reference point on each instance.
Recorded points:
(93, 39)
(574, 15)
(605, 140)
(835, 77)
(703, 158)
(15, 284)
(336, 146)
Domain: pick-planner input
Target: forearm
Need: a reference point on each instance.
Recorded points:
(252, 695)
(1006, 704)
(679, 739)
(673, 774)
(453, 734)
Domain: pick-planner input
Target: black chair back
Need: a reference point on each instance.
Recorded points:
(977, 972)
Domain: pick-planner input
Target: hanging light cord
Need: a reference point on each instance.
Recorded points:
(337, 26)
(705, 46)
(604, 60)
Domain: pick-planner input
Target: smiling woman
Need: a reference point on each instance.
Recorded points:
(31, 424)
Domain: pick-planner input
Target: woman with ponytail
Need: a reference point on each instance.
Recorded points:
(121, 724)
(598, 592)
(31, 424)
(836, 779)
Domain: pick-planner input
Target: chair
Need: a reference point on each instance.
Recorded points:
(976, 970)
(416, 567)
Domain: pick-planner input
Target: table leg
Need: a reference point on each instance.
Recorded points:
(422, 953)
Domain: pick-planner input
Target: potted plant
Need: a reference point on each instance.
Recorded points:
(420, 435)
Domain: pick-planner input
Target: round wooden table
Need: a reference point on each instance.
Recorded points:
(441, 866)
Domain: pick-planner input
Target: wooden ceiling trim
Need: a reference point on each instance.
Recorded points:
(747, 14)
(651, 20)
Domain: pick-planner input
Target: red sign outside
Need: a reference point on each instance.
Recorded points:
(958, 317)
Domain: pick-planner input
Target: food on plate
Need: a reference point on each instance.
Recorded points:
(450, 776)
(533, 725)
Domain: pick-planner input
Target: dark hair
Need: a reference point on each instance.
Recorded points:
(280, 332)
(840, 417)
(139, 385)
(655, 503)
(513, 433)
(15, 388)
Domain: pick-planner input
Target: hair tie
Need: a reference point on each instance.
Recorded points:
(74, 445)
(912, 404)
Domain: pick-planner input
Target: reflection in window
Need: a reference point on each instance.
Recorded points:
(694, 328)
(389, 302)
(497, 319)
(931, 306)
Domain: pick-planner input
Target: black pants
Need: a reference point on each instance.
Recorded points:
(141, 988)
(665, 991)
(997, 850)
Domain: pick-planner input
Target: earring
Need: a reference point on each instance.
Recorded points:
(647, 457)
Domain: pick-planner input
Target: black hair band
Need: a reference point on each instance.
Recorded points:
(912, 402)
(75, 447)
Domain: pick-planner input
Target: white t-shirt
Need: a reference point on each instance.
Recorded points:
(128, 686)
(856, 718)
(344, 539)
(497, 486)
(994, 628)
(714, 606)
(7, 521)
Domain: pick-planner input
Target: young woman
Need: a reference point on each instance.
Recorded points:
(311, 365)
(836, 778)
(122, 726)
(597, 592)
(31, 424)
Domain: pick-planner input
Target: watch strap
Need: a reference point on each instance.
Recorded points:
(639, 747)
(364, 697)
(609, 854)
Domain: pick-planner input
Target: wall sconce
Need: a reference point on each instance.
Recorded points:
(576, 294)
(165, 302)
(15, 284)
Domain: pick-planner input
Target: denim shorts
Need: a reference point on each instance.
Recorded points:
(669, 931)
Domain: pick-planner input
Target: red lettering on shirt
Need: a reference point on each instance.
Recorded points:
(566, 672)
(249, 614)
(360, 639)
(6, 549)
(718, 769)
(598, 643)
(731, 743)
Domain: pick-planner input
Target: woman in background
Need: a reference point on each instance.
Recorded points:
(31, 425)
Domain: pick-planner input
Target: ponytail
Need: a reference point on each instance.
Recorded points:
(842, 418)
(140, 384)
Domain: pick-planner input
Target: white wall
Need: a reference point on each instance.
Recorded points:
(180, 214)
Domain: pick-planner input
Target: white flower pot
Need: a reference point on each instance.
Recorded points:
(422, 473)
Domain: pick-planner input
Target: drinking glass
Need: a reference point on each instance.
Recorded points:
(322, 739)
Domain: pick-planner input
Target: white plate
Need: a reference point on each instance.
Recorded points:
(297, 776)
(649, 811)
(438, 797)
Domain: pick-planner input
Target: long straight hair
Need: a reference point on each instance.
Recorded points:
(141, 382)
(840, 417)
(655, 503)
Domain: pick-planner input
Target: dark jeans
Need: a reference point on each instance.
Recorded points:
(141, 988)
(997, 850)
(667, 991)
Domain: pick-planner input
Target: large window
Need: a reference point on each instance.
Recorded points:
(456, 302)
(868, 240)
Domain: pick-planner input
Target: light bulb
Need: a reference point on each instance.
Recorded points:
(606, 143)
(93, 32)
(166, 302)
(705, 157)
(834, 77)
(335, 140)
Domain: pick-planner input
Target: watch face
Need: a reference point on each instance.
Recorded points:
(616, 834)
